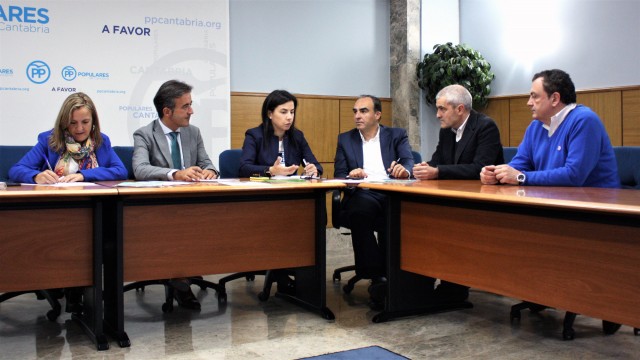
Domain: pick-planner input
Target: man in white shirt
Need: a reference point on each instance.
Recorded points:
(370, 151)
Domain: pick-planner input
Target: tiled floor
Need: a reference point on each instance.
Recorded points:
(250, 329)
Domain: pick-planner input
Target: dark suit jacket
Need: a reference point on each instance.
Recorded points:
(480, 145)
(152, 157)
(257, 160)
(394, 144)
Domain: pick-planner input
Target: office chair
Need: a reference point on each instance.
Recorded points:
(125, 153)
(338, 220)
(50, 295)
(229, 162)
(9, 155)
(628, 160)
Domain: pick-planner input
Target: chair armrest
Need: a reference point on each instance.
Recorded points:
(336, 208)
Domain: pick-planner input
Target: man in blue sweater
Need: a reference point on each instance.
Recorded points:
(565, 145)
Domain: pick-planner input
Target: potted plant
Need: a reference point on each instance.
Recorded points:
(455, 64)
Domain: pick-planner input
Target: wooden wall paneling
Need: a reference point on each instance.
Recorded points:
(631, 118)
(608, 106)
(519, 119)
(319, 119)
(618, 108)
(387, 113)
(498, 110)
(328, 167)
(245, 114)
(346, 115)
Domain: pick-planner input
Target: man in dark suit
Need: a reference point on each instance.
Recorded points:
(468, 141)
(375, 152)
(171, 149)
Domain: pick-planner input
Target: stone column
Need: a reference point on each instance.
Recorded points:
(404, 55)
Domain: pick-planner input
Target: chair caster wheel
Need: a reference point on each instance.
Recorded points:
(636, 331)
(514, 315)
(336, 277)
(263, 296)
(250, 277)
(52, 315)
(167, 308)
(568, 335)
(380, 318)
(347, 289)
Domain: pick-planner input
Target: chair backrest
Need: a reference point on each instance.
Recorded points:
(509, 153)
(417, 158)
(628, 159)
(229, 162)
(9, 155)
(125, 153)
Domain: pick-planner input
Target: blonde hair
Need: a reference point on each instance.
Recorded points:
(72, 103)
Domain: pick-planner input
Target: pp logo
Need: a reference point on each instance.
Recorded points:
(38, 72)
(69, 73)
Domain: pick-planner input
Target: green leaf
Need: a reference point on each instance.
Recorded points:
(455, 64)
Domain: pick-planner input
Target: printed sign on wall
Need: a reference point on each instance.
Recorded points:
(117, 52)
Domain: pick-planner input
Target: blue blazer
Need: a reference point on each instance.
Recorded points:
(256, 160)
(25, 170)
(394, 145)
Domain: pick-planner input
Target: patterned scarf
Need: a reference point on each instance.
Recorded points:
(77, 157)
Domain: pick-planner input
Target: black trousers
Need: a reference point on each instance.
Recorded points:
(365, 212)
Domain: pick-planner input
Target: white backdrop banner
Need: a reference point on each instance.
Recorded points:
(118, 52)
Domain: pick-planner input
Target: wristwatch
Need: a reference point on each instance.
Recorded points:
(521, 178)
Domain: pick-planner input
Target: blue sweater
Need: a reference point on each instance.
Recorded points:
(578, 153)
(110, 166)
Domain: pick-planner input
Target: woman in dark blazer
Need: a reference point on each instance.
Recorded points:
(276, 147)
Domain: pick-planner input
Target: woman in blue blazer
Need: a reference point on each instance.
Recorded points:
(74, 150)
(276, 147)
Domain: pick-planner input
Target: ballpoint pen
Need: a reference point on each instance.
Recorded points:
(389, 172)
(305, 163)
(47, 161)
(49, 166)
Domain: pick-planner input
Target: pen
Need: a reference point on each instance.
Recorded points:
(49, 166)
(47, 160)
(304, 161)
(389, 172)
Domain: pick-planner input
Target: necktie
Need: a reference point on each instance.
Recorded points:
(175, 151)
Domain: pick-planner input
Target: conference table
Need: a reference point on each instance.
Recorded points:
(214, 228)
(576, 249)
(51, 237)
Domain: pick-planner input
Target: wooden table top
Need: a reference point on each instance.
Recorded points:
(44, 191)
(621, 201)
(242, 186)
